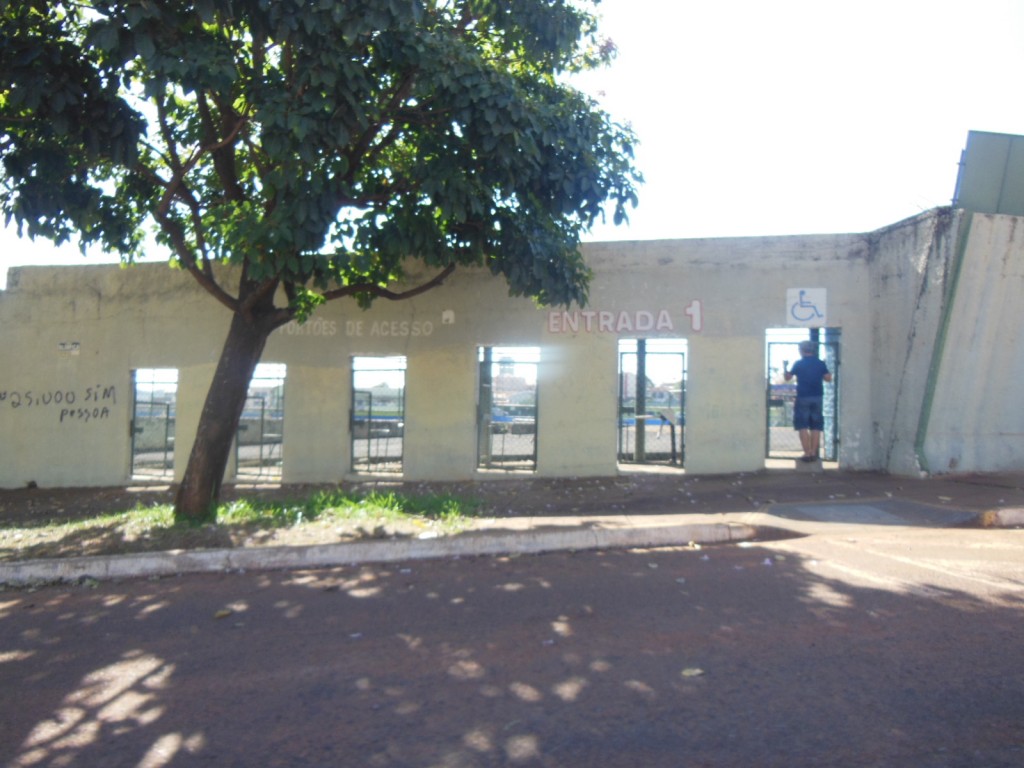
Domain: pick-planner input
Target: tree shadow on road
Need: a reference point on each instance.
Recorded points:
(720, 656)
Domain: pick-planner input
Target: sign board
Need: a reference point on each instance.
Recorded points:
(807, 307)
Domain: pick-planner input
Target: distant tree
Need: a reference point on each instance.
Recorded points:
(315, 145)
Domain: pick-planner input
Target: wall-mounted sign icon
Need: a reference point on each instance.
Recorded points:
(806, 307)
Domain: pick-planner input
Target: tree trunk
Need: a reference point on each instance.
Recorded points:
(199, 492)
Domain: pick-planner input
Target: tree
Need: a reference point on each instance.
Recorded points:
(316, 145)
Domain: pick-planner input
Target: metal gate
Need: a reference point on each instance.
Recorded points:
(154, 395)
(782, 441)
(260, 438)
(377, 418)
(652, 415)
(507, 408)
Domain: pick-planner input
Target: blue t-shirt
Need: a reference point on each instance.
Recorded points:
(809, 372)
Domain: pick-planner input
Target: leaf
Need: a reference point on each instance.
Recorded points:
(377, 131)
(206, 11)
(145, 46)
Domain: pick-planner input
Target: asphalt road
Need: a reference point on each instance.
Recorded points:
(854, 646)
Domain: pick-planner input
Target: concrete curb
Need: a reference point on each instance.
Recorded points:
(325, 555)
(1005, 517)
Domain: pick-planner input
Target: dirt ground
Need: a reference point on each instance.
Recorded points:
(27, 514)
(506, 496)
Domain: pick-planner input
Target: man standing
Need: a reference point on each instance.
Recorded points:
(808, 420)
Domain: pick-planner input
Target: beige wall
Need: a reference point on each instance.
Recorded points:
(910, 265)
(76, 333)
(975, 420)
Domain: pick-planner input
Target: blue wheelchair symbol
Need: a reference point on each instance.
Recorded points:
(804, 309)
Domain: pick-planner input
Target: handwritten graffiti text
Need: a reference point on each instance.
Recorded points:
(82, 404)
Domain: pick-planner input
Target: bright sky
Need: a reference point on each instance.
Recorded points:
(788, 117)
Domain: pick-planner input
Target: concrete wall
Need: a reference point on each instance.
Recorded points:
(71, 337)
(739, 287)
(975, 419)
(910, 265)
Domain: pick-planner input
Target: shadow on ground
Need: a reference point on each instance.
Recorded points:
(721, 656)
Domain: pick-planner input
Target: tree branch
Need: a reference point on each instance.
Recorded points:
(262, 291)
(361, 149)
(176, 233)
(223, 156)
(384, 293)
(176, 189)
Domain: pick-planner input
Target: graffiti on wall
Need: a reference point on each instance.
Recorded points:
(83, 404)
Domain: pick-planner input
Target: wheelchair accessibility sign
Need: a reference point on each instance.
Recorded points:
(806, 307)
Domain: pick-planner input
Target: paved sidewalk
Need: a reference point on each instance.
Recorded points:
(730, 508)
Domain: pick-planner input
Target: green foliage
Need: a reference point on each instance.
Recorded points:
(339, 505)
(155, 527)
(335, 506)
(319, 145)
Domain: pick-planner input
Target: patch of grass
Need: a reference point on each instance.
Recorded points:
(331, 514)
(338, 505)
(137, 520)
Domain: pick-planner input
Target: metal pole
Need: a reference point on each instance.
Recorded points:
(486, 408)
(641, 400)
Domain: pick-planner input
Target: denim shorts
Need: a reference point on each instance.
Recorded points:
(807, 414)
